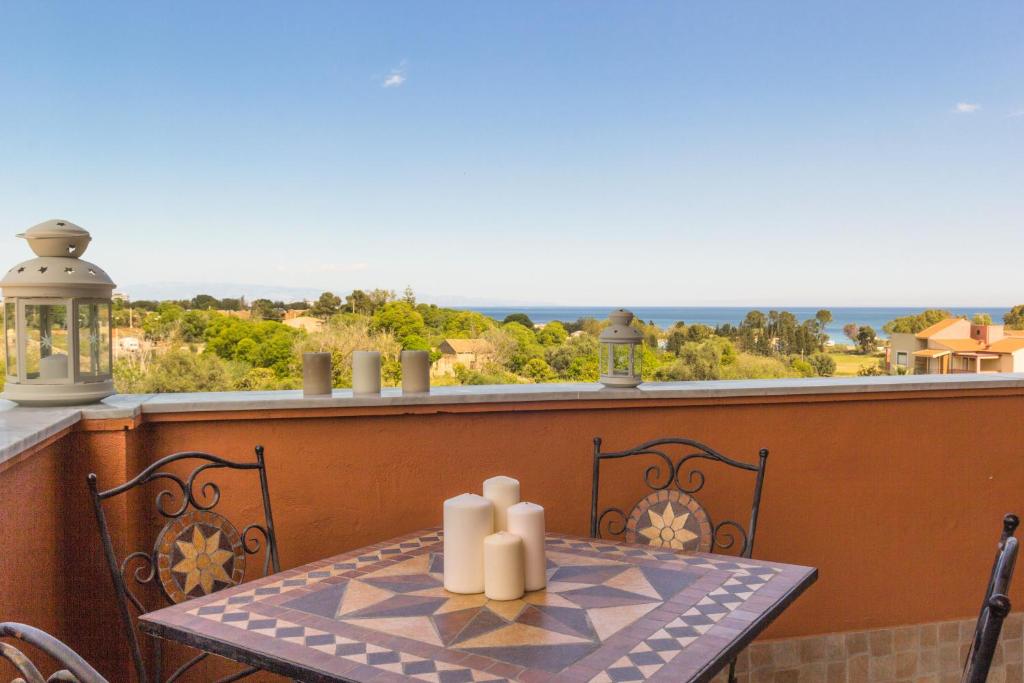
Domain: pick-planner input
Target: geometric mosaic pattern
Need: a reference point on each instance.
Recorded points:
(672, 520)
(610, 612)
(198, 553)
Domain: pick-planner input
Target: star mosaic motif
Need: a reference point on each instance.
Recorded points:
(203, 561)
(667, 530)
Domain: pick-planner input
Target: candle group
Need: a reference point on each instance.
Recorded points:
(494, 544)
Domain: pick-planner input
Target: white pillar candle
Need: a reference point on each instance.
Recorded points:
(468, 520)
(316, 374)
(503, 566)
(526, 520)
(54, 366)
(365, 373)
(504, 493)
(415, 372)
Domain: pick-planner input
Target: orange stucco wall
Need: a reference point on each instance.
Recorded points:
(897, 498)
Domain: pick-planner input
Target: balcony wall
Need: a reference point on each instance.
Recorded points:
(893, 487)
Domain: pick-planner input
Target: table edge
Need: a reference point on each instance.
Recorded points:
(748, 635)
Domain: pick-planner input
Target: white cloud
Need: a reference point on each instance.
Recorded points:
(396, 78)
(966, 107)
(1016, 114)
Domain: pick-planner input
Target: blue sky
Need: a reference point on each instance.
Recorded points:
(563, 153)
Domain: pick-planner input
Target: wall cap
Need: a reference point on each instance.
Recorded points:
(22, 427)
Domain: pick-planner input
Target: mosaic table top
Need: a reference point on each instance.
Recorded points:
(610, 612)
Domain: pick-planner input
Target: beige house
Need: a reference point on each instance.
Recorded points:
(473, 354)
(957, 345)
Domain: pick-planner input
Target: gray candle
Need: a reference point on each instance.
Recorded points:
(366, 373)
(316, 374)
(415, 372)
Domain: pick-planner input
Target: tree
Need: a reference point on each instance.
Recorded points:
(576, 359)
(265, 309)
(867, 340)
(264, 344)
(539, 371)
(676, 339)
(204, 302)
(915, 323)
(1014, 319)
(824, 364)
(753, 335)
(463, 324)
(850, 330)
(981, 319)
(326, 306)
(822, 319)
(402, 320)
(698, 332)
(409, 296)
(161, 324)
(514, 345)
(553, 334)
(520, 318)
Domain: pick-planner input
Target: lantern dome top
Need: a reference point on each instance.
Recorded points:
(57, 270)
(621, 330)
(57, 238)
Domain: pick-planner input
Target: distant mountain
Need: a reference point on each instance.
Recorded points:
(186, 290)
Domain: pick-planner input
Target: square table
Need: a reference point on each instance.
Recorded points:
(611, 612)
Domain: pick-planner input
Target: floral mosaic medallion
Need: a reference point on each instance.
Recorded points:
(670, 519)
(197, 554)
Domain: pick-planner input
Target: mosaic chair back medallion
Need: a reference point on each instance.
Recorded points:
(197, 552)
(670, 516)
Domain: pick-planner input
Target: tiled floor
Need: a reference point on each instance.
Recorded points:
(926, 653)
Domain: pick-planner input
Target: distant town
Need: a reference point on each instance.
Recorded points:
(222, 344)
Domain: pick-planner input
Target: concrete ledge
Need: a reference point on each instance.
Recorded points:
(22, 428)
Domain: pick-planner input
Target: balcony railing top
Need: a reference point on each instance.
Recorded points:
(22, 428)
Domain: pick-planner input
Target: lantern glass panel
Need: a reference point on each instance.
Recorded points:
(623, 359)
(93, 340)
(11, 337)
(46, 341)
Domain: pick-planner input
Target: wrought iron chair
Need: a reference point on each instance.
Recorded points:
(75, 669)
(670, 517)
(994, 608)
(197, 552)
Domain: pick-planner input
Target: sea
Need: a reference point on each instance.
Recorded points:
(667, 316)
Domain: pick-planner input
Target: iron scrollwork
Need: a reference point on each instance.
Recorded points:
(183, 498)
(681, 474)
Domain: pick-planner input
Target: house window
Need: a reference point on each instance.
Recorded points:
(901, 358)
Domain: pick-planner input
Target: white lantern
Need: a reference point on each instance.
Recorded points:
(57, 321)
(621, 351)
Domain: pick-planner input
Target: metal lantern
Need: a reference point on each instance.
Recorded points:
(57, 321)
(621, 351)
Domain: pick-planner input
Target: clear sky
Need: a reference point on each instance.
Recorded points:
(865, 153)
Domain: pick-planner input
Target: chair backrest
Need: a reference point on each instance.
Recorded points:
(197, 552)
(670, 516)
(994, 609)
(73, 667)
